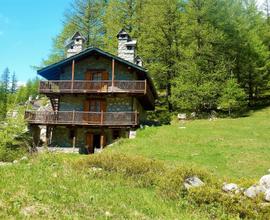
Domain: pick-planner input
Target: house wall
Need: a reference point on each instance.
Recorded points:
(81, 67)
(114, 104)
(61, 136)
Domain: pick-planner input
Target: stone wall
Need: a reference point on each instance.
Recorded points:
(61, 136)
(121, 71)
(117, 104)
(71, 103)
(114, 104)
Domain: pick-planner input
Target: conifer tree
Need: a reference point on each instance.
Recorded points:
(160, 42)
(4, 90)
(13, 87)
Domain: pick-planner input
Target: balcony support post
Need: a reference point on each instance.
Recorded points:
(136, 118)
(113, 72)
(72, 75)
(145, 86)
(73, 117)
(102, 118)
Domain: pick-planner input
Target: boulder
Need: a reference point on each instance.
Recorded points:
(193, 181)
(254, 191)
(267, 195)
(265, 181)
(230, 187)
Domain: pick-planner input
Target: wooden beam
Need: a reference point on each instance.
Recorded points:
(145, 87)
(72, 74)
(113, 73)
(102, 118)
(74, 141)
(136, 117)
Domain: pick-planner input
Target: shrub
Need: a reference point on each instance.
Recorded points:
(145, 171)
(212, 198)
(171, 184)
(168, 181)
(14, 139)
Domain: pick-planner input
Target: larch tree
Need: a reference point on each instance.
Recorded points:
(160, 43)
(202, 68)
(126, 14)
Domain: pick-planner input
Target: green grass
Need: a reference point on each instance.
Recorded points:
(50, 187)
(62, 186)
(229, 147)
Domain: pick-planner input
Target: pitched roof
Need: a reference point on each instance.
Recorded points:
(48, 71)
(76, 34)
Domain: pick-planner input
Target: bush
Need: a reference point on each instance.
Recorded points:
(168, 181)
(145, 171)
(14, 139)
(212, 198)
(171, 184)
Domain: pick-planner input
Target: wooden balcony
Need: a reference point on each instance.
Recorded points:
(82, 118)
(85, 86)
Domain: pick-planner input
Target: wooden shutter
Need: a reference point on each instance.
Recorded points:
(105, 75)
(88, 75)
(103, 105)
(86, 109)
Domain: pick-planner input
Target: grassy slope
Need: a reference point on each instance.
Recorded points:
(56, 187)
(233, 147)
(50, 187)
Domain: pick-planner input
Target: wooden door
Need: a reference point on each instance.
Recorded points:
(89, 143)
(94, 107)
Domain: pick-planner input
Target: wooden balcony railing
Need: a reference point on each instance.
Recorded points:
(82, 118)
(93, 86)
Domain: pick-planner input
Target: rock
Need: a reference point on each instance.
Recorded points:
(4, 163)
(267, 195)
(230, 187)
(265, 181)
(24, 158)
(97, 169)
(193, 182)
(108, 214)
(254, 191)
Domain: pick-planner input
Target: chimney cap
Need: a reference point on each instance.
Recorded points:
(76, 35)
(123, 34)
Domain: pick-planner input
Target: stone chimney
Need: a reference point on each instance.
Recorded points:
(74, 45)
(126, 47)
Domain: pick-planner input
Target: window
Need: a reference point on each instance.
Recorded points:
(95, 106)
(97, 76)
(129, 48)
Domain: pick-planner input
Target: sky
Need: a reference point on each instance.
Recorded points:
(26, 31)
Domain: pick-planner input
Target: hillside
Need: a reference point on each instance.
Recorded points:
(234, 147)
(119, 184)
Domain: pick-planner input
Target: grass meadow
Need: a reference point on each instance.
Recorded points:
(144, 179)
